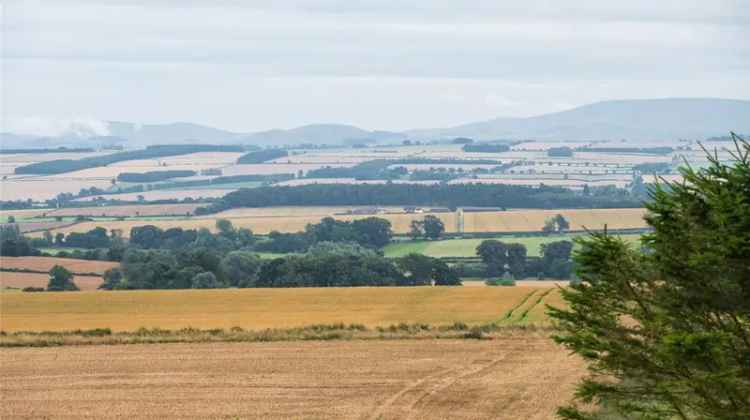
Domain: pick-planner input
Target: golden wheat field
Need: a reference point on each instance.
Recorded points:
(46, 263)
(264, 308)
(506, 221)
(521, 376)
(21, 280)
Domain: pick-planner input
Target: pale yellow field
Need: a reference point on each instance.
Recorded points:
(209, 159)
(537, 181)
(276, 168)
(292, 211)
(126, 210)
(44, 188)
(21, 280)
(256, 308)
(26, 213)
(349, 181)
(508, 221)
(519, 376)
(533, 220)
(46, 263)
(261, 225)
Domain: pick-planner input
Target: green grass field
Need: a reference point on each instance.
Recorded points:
(467, 247)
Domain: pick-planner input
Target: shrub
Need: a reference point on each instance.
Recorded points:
(500, 282)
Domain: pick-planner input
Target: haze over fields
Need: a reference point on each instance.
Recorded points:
(636, 120)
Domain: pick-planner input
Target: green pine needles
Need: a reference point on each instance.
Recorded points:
(666, 329)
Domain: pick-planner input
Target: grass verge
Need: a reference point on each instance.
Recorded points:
(320, 332)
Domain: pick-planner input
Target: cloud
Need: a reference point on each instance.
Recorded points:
(52, 127)
(247, 65)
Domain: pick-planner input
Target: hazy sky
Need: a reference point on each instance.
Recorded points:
(252, 65)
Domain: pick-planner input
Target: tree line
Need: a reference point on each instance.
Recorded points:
(69, 165)
(446, 195)
(261, 156)
(485, 148)
(154, 176)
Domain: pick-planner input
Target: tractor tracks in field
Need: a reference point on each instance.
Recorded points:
(408, 401)
(508, 315)
(525, 314)
(520, 312)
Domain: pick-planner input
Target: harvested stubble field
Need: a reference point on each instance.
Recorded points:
(20, 280)
(506, 221)
(519, 376)
(262, 308)
(40, 226)
(45, 188)
(46, 263)
(127, 210)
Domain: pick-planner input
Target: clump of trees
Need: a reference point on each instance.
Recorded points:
(430, 227)
(510, 259)
(485, 148)
(667, 332)
(659, 150)
(371, 232)
(69, 165)
(501, 257)
(13, 243)
(653, 168)
(556, 224)
(336, 253)
(154, 176)
(261, 156)
(326, 264)
(60, 280)
(95, 238)
(444, 195)
(421, 270)
(563, 151)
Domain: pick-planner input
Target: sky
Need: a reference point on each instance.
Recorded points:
(391, 65)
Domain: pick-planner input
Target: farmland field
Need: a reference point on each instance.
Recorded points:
(46, 263)
(262, 308)
(168, 194)
(467, 247)
(125, 211)
(21, 280)
(263, 221)
(515, 376)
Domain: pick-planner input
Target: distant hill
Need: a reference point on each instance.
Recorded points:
(639, 120)
(179, 132)
(646, 119)
(320, 134)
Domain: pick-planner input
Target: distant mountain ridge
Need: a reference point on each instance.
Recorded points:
(637, 120)
(320, 134)
(642, 119)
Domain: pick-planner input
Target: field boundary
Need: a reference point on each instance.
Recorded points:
(30, 271)
(319, 332)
